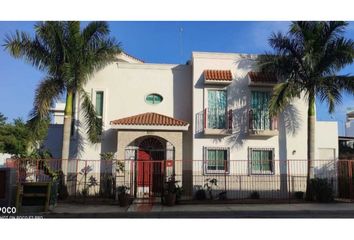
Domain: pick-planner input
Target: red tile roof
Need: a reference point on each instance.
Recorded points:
(219, 75)
(262, 77)
(149, 118)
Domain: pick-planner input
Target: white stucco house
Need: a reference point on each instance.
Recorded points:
(204, 118)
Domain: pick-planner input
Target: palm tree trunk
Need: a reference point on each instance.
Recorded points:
(66, 133)
(311, 121)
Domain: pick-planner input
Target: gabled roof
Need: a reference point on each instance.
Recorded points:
(125, 57)
(218, 75)
(262, 77)
(151, 119)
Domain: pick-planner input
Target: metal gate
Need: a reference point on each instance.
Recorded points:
(149, 178)
(346, 179)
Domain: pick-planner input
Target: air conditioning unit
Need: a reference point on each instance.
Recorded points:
(8, 187)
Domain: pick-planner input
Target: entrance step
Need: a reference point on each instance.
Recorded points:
(140, 207)
(146, 200)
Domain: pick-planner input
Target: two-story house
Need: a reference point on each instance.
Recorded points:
(204, 119)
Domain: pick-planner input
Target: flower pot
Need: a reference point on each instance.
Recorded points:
(170, 199)
(123, 199)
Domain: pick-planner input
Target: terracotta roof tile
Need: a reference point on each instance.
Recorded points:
(219, 75)
(262, 77)
(149, 118)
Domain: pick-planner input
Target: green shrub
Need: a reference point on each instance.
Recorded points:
(320, 190)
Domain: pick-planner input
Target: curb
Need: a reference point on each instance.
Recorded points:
(211, 214)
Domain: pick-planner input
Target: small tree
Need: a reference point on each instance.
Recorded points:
(68, 55)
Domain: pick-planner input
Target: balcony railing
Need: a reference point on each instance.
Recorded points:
(261, 123)
(217, 121)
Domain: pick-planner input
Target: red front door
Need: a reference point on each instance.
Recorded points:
(144, 169)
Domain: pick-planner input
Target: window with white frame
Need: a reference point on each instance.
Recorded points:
(99, 103)
(216, 160)
(261, 160)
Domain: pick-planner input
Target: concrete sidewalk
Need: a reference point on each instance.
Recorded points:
(303, 210)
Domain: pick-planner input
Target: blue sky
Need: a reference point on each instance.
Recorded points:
(157, 42)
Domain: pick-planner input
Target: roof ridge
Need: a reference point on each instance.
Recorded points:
(150, 118)
(127, 54)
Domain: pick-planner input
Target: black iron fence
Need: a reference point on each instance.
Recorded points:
(229, 179)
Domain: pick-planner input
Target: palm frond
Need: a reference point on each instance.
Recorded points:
(51, 34)
(343, 83)
(93, 123)
(94, 32)
(332, 30)
(283, 94)
(331, 95)
(337, 54)
(48, 92)
(21, 45)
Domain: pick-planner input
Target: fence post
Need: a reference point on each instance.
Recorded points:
(288, 179)
(205, 118)
(226, 169)
(350, 175)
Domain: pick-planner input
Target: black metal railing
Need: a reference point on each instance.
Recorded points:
(233, 179)
(260, 120)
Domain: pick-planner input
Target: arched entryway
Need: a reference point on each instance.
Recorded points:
(151, 154)
(150, 157)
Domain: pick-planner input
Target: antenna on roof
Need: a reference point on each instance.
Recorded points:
(181, 44)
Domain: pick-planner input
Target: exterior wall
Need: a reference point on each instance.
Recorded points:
(125, 87)
(292, 132)
(58, 113)
(290, 145)
(326, 139)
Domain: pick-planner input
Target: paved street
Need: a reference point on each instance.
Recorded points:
(303, 210)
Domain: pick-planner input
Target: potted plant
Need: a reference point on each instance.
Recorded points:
(200, 193)
(123, 196)
(179, 192)
(209, 184)
(170, 192)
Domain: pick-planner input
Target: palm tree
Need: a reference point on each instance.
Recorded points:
(68, 55)
(307, 60)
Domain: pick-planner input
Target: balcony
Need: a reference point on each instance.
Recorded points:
(217, 122)
(260, 124)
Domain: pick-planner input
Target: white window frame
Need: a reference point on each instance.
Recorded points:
(205, 161)
(261, 172)
(105, 105)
